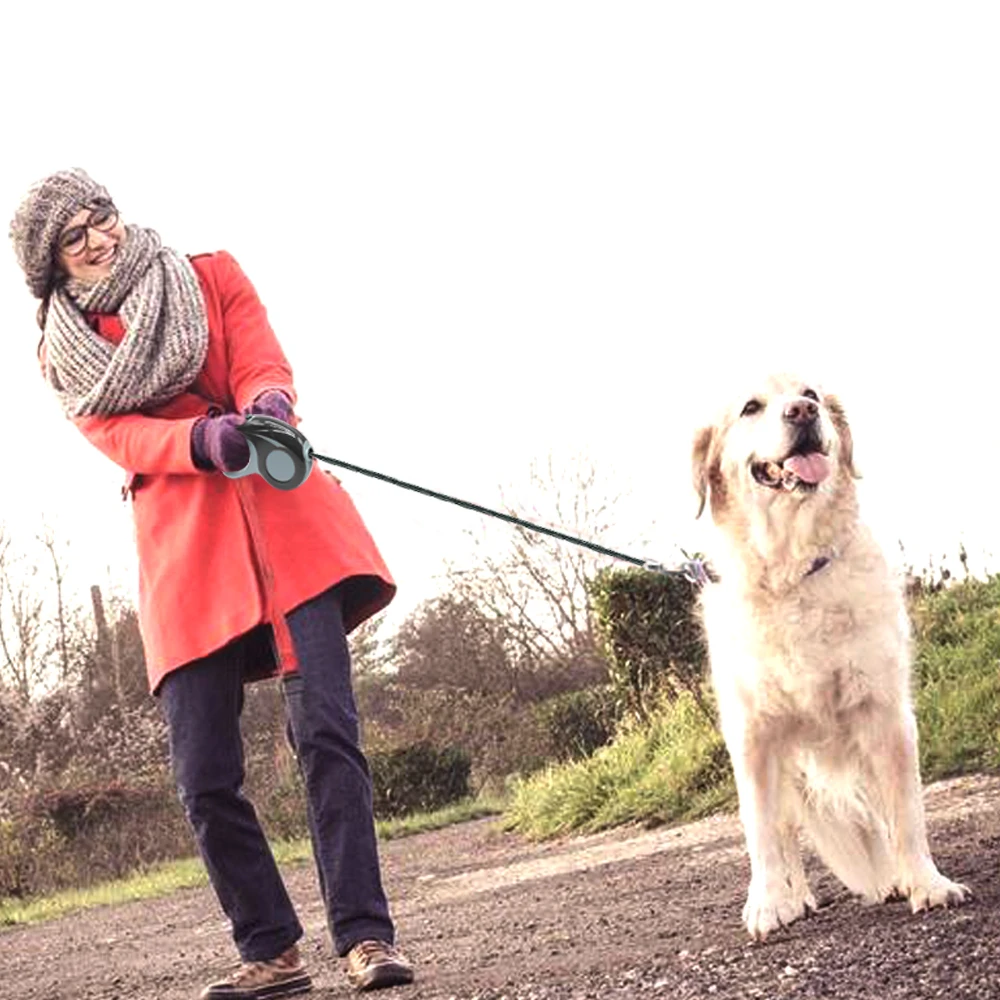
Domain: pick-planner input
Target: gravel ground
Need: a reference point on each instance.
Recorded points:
(629, 913)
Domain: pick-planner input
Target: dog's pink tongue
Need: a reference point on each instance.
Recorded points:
(812, 468)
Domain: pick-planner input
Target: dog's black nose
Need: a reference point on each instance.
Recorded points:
(801, 412)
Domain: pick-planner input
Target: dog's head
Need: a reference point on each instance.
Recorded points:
(785, 442)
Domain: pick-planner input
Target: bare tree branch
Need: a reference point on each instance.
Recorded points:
(26, 614)
(47, 538)
(538, 586)
(8, 666)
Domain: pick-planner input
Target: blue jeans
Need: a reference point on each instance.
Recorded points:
(202, 703)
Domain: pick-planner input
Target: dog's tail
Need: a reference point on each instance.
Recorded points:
(848, 834)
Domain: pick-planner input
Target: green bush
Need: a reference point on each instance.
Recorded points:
(579, 722)
(672, 766)
(281, 806)
(500, 736)
(957, 677)
(651, 636)
(418, 778)
(28, 847)
(74, 811)
(76, 837)
(954, 616)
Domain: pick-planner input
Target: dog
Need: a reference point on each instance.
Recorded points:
(809, 650)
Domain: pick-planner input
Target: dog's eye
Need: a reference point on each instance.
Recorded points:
(810, 394)
(753, 406)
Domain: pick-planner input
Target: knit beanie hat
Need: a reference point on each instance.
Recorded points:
(41, 218)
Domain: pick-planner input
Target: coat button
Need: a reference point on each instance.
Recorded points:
(215, 411)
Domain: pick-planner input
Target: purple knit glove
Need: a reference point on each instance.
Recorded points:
(273, 403)
(217, 444)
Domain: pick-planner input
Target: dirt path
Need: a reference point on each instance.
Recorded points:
(629, 913)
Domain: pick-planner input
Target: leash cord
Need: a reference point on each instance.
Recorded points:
(692, 569)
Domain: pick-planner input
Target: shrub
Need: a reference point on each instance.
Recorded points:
(28, 847)
(75, 837)
(579, 722)
(73, 811)
(281, 806)
(672, 766)
(418, 778)
(651, 635)
(499, 736)
(957, 676)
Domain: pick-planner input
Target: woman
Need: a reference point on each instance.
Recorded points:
(157, 359)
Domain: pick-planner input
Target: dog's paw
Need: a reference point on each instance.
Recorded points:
(936, 890)
(767, 909)
(803, 893)
(886, 893)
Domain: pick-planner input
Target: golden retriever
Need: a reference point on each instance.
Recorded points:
(808, 642)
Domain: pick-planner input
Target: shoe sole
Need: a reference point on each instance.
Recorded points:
(379, 979)
(288, 988)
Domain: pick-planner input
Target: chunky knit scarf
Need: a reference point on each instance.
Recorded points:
(155, 292)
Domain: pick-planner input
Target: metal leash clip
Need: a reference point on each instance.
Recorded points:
(694, 570)
(697, 572)
(279, 453)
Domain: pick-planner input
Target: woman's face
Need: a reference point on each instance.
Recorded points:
(89, 243)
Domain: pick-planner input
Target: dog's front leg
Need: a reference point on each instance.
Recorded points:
(896, 768)
(776, 896)
(789, 834)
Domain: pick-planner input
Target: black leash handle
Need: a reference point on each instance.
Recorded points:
(692, 569)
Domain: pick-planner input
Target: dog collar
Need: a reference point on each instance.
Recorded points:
(699, 573)
(818, 563)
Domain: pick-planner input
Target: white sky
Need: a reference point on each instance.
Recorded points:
(490, 232)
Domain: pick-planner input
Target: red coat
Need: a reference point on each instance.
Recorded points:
(218, 556)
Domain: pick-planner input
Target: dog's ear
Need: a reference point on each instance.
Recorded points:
(839, 419)
(703, 452)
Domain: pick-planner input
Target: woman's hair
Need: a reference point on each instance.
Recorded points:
(43, 312)
(56, 278)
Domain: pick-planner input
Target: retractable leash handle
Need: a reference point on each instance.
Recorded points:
(279, 453)
(283, 457)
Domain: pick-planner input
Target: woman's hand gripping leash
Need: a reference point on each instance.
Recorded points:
(279, 453)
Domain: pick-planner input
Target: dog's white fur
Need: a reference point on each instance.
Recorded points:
(811, 670)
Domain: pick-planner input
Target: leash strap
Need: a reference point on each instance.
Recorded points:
(692, 569)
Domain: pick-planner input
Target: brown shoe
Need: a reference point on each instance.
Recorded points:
(283, 976)
(374, 964)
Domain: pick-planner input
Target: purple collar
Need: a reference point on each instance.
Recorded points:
(818, 563)
(699, 573)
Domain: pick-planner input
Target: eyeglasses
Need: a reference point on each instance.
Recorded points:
(103, 217)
